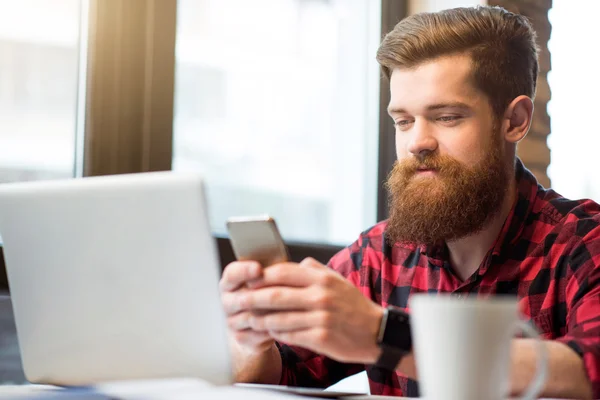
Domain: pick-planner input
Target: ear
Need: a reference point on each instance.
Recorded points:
(517, 119)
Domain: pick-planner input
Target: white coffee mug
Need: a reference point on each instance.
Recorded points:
(462, 347)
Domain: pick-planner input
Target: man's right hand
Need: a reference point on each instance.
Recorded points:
(236, 277)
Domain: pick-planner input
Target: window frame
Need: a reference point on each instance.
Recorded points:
(130, 81)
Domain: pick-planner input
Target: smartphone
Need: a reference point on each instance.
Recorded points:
(257, 239)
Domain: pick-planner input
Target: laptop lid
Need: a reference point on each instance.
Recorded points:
(114, 278)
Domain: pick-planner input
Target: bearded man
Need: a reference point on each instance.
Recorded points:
(466, 217)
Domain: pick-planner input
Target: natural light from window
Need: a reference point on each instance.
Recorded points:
(39, 73)
(575, 84)
(276, 103)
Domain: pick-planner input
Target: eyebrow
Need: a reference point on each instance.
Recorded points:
(433, 107)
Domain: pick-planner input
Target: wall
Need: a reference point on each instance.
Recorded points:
(534, 150)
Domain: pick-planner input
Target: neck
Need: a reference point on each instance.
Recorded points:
(466, 254)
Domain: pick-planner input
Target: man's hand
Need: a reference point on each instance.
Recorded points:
(236, 278)
(307, 305)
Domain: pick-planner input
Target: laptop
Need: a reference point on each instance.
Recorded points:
(114, 278)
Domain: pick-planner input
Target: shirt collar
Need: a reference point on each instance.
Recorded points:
(527, 188)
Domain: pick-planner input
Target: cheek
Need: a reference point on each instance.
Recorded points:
(470, 143)
(468, 152)
(401, 147)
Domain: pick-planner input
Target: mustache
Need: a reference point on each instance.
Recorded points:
(436, 162)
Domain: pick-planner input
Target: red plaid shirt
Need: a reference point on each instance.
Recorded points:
(547, 254)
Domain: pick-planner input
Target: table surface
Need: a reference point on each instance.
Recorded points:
(155, 390)
(175, 389)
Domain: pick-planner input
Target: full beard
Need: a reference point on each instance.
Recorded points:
(457, 202)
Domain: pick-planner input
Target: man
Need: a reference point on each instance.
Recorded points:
(466, 217)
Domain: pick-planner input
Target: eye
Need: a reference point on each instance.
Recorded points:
(402, 123)
(448, 118)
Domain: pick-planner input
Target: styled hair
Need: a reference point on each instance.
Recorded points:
(502, 46)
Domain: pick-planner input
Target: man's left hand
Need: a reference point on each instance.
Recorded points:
(311, 306)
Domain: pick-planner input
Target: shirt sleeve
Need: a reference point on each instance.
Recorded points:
(583, 306)
(301, 367)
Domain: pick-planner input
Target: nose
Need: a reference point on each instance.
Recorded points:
(422, 141)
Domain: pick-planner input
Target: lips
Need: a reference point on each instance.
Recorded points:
(425, 172)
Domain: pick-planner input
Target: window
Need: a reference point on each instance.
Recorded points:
(574, 80)
(39, 64)
(39, 100)
(296, 72)
(276, 103)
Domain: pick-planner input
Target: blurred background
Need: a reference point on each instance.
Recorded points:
(278, 103)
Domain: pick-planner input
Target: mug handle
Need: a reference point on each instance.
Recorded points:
(541, 371)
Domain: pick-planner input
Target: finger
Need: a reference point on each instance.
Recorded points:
(287, 274)
(231, 302)
(240, 321)
(252, 339)
(273, 298)
(287, 321)
(237, 273)
(269, 298)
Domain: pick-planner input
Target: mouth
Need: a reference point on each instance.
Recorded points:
(423, 171)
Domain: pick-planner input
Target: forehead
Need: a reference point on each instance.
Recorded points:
(442, 80)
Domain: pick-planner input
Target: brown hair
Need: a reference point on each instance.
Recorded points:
(502, 46)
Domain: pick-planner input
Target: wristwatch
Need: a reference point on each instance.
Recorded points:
(394, 338)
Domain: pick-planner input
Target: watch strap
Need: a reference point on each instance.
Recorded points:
(393, 338)
(389, 357)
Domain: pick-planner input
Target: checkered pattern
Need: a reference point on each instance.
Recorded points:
(548, 255)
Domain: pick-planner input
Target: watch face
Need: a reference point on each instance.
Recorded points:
(397, 330)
